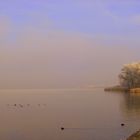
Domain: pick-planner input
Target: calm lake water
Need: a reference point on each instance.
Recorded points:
(85, 114)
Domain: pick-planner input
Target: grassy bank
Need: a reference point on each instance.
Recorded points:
(135, 90)
(135, 136)
(122, 89)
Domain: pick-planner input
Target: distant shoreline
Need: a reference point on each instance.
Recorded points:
(116, 89)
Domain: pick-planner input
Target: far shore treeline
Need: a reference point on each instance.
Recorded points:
(129, 79)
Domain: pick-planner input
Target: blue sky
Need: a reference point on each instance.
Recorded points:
(94, 17)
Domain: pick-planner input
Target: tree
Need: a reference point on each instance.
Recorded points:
(130, 75)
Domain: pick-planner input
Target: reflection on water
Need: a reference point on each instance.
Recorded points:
(67, 114)
(130, 107)
(132, 102)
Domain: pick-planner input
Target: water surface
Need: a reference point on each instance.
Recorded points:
(86, 114)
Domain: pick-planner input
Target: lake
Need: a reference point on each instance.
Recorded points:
(85, 114)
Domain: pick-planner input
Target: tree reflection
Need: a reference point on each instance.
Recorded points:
(131, 103)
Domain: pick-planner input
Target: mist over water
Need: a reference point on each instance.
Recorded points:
(62, 60)
(36, 55)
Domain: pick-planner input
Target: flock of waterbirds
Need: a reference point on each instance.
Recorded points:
(25, 105)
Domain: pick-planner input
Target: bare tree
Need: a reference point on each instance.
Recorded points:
(130, 75)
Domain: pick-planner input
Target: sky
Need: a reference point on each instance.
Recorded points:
(67, 44)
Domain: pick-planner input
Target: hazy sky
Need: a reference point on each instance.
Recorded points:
(66, 43)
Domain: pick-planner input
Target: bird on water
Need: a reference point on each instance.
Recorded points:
(122, 124)
(62, 128)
